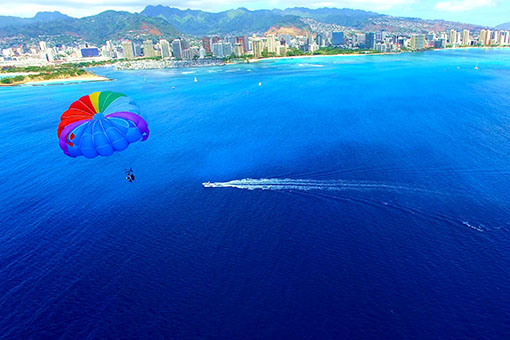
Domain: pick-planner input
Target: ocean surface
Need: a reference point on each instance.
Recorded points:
(360, 197)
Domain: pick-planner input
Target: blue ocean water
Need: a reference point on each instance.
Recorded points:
(354, 197)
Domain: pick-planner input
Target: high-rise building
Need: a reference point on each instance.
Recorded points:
(127, 49)
(258, 47)
(504, 38)
(206, 43)
(137, 49)
(418, 42)
(240, 40)
(282, 49)
(322, 39)
(177, 48)
(483, 37)
(108, 50)
(42, 45)
(246, 44)
(381, 47)
(440, 43)
(195, 52)
(238, 49)
(165, 48)
(89, 52)
(271, 43)
(495, 38)
(465, 38)
(453, 37)
(227, 49)
(488, 40)
(186, 54)
(148, 49)
(202, 52)
(184, 44)
(217, 49)
(337, 38)
(370, 40)
(358, 40)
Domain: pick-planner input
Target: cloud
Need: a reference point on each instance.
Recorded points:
(463, 5)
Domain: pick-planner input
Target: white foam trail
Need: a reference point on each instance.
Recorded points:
(307, 185)
(479, 228)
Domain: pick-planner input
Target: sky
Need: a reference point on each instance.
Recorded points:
(483, 12)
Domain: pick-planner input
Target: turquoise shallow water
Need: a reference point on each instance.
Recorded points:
(361, 197)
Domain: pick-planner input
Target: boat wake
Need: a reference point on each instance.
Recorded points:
(318, 188)
(309, 185)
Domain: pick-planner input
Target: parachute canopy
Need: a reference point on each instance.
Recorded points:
(100, 124)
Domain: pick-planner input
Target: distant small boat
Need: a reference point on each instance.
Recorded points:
(260, 83)
(195, 80)
(476, 67)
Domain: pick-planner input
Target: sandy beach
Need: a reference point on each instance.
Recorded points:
(67, 80)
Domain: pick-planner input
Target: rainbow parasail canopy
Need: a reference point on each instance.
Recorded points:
(100, 124)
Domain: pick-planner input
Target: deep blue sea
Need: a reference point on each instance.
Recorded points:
(361, 197)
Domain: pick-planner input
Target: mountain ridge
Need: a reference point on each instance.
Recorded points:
(38, 17)
(108, 25)
(505, 26)
(165, 21)
(235, 21)
(242, 20)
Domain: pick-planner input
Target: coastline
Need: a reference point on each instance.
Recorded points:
(59, 81)
(325, 55)
(68, 80)
(374, 54)
(162, 64)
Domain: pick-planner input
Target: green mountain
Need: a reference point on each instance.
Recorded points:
(96, 29)
(162, 21)
(235, 21)
(38, 18)
(245, 21)
(354, 18)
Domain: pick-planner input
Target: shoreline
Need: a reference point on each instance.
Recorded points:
(373, 54)
(91, 77)
(59, 81)
(67, 80)
(325, 55)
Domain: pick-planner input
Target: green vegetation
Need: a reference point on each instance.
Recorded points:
(96, 29)
(330, 50)
(266, 54)
(10, 80)
(292, 52)
(238, 21)
(61, 71)
(43, 73)
(232, 58)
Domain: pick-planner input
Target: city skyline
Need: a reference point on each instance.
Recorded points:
(482, 12)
